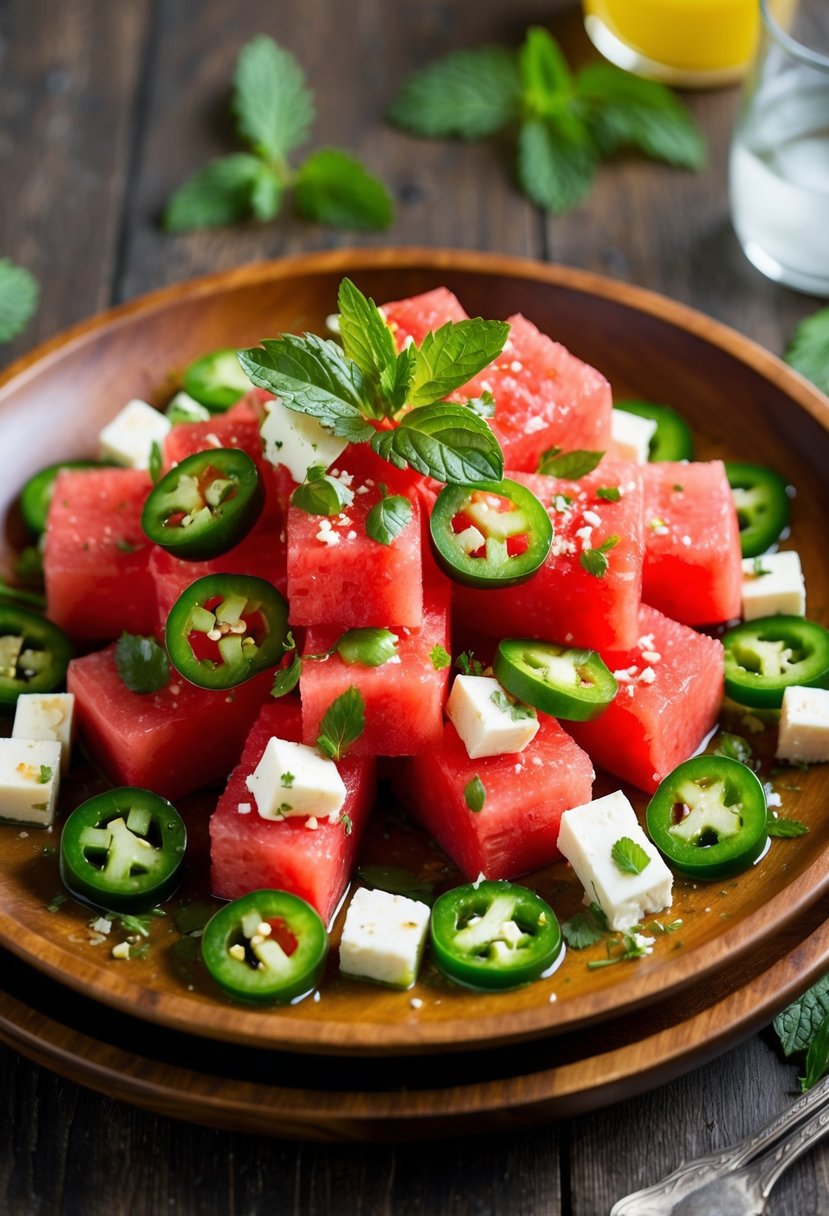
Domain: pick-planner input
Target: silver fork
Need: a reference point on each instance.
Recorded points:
(723, 1182)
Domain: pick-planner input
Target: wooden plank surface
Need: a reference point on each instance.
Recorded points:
(105, 108)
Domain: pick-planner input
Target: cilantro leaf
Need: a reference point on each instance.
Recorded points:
(216, 195)
(475, 794)
(468, 665)
(388, 517)
(367, 340)
(572, 465)
(453, 354)
(369, 647)
(444, 441)
(320, 494)
(468, 94)
(585, 928)
(272, 103)
(19, 292)
(545, 76)
(628, 856)
(783, 827)
(335, 189)
(556, 162)
(808, 350)
(142, 664)
(799, 1022)
(595, 561)
(287, 678)
(313, 376)
(440, 657)
(342, 724)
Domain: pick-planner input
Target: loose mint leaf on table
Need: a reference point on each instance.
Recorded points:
(342, 724)
(483, 406)
(469, 94)
(817, 1057)
(19, 293)
(273, 105)
(798, 1024)
(453, 354)
(217, 195)
(808, 350)
(585, 928)
(142, 664)
(545, 75)
(555, 169)
(444, 441)
(266, 194)
(621, 110)
(320, 494)
(334, 189)
(387, 518)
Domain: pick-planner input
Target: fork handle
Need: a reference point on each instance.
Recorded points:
(770, 1167)
(815, 1099)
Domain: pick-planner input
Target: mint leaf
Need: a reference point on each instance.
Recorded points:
(397, 881)
(440, 656)
(595, 561)
(320, 494)
(807, 352)
(468, 665)
(367, 647)
(817, 1057)
(545, 76)
(19, 292)
(585, 928)
(556, 162)
(628, 856)
(468, 94)
(287, 678)
(475, 794)
(312, 375)
(387, 518)
(783, 827)
(343, 723)
(272, 103)
(516, 709)
(333, 188)
(624, 110)
(609, 493)
(367, 339)
(444, 441)
(453, 354)
(266, 194)
(142, 664)
(799, 1022)
(572, 465)
(216, 195)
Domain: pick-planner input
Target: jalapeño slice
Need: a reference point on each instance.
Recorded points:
(36, 495)
(762, 504)
(122, 850)
(495, 535)
(494, 935)
(266, 946)
(216, 380)
(708, 817)
(34, 653)
(226, 628)
(765, 656)
(564, 681)
(672, 439)
(205, 505)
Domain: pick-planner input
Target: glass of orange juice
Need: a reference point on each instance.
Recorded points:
(689, 43)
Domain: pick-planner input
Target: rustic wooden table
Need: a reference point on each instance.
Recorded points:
(105, 108)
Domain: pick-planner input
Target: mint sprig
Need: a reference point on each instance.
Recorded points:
(19, 292)
(570, 465)
(321, 494)
(444, 441)
(565, 123)
(808, 350)
(274, 109)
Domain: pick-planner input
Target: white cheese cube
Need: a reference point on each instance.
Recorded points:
(298, 441)
(46, 715)
(773, 583)
(487, 719)
(292, 779)
(129, 438)
(184, 408)
(804, 726)
(29, 780)
(383, 937)
(586, 837)
(631, 435)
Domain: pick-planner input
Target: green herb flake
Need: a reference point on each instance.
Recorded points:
(758, 570)
(348, 826)
(623, 949)
(562, 503)
(595, 561)
(321, 494)
(628, 856)
(387, 518)
(784, 828)
(475, 794)
(677, 488)
(141, 663)
(57, 902)
(45, 775)
(585, 928)
(19, 293)
(734, 747)
(342, 724)
(609, 493)
(468, 665)
(156, 466)
(571, 465)
(441, 658)
(287, 780)
(287, 678)
(516, 709)
(483, 406)
(125, 546)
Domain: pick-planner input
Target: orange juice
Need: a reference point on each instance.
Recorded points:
(693, 42)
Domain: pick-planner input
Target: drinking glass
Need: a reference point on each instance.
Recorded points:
(779, 165)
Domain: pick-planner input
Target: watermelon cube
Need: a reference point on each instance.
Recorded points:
(563, 601)
(693, 560)
(249, 853)
(413, 318)
(404, 698)
(96, 560)
(172, 741)
(526, 794)
(670, 690)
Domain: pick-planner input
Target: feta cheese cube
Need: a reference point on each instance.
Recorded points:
(631, 435)
(804, 726)
(293, 779)
(129, 438)
(383, 937)
(298, 441)
(586, 837)
(488, 720)
(773, 583)
(184, 408)
(29, 780)
(46, 715)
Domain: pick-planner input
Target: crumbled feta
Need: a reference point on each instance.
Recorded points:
(631, 435)
(383, 937)
(298, 441)
(476, 708)
(128, 439)
(292, 779)
(804, 726)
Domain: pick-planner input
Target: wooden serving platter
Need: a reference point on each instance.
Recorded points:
(741, 403)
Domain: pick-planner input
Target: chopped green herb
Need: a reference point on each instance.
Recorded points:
(287, 780)
(758, 569)
(628, 856)
(142, 664)
(348, 826)
(595, 561)
(342, 724)
(734, 747)
(572, 465)
(623, 950)
(57, 902)
(783, 827)
(562, 502)
(468, 665)
(516, 709)
(483, 406)
(677, 488)
(125, 546)
(673, 926)
(321, 494)
(287, 678)
(609, 493)
(440, 657)
(585, 928)
(45, 775)
(475, 794)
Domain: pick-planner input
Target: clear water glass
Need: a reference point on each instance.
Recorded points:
(779, 166)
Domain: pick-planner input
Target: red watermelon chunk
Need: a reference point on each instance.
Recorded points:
(95, 564)
(249, 853)
(526, 794)
(693, 561)
(356, 581)
(670, 690)
(404, 699)
(414, 317)
(172, 741)
(562, 602)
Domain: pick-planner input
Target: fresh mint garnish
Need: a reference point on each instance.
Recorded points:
(287, 780)
(623, 949)
(444, 441)
(388, 517)
(468, 665)
(784, 828)
(609, 493)
(287, 678)
(440, 656)
(516, 709)
(595, 561)
(628, 856)
(808, 350)
(571, 465)
(475, 794)
(320, 494)
(19, 293)
(799, 1022)
(142, 664)
(564, 123)
(274, 109)
(758, 569)
(343, 723)
(367, 647)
